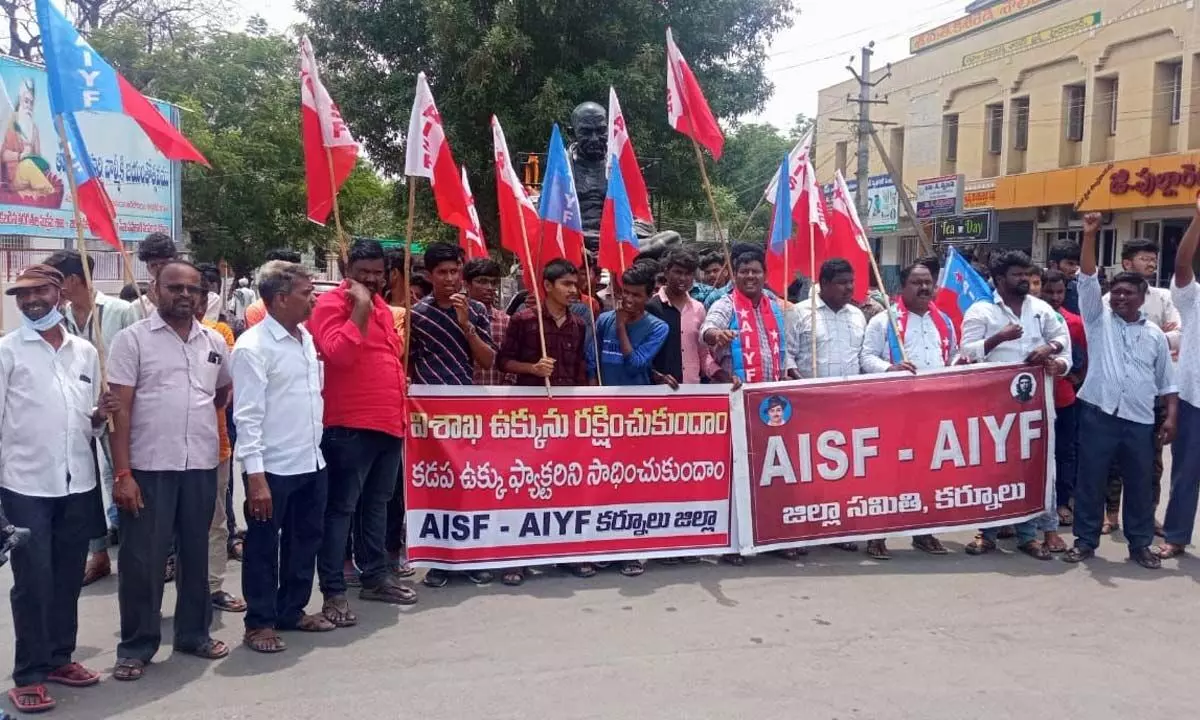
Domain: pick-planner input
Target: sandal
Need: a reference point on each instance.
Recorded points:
(264, 640)
(31, 699)
(74, 675)
(208, 650)
(1166, 551)
(632, 568)
(582, 570)
(980, 546)
(733, 559)
(513, 578)
(315, 623)
(1109, 527)
(401, 569)
(847, 546)
(129, 669)
(877, 550)
(96, 569)
(337, 611)
(481, 577)
(390, 593)
(1078, 554)
(1066, 517)
(793, 553)
(929, 544)
(1054, 543)
(225, 602)
(436, 578)
(237, 546)
(1035, 550)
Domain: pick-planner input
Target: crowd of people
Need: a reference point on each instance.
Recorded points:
(122, 419)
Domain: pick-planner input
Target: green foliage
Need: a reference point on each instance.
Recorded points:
(241, 98)
(530, 62)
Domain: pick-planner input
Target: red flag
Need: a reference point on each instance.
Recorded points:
(428, 155)
(471, 239)
(620, 151)
(687, 110)
(518, 217)
(847, 238)
(327, 140)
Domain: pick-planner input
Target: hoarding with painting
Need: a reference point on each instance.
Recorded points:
(34, 196)
(883, 202)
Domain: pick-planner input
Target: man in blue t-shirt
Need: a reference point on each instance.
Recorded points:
(629, 337)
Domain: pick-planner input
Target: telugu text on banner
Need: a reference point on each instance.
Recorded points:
(502, 477)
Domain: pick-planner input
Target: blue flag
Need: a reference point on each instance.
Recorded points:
(781, 222)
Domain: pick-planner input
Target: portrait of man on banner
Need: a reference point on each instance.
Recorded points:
(26, 177)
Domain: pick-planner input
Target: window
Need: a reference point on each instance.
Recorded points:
(1176, 89)
(839, 153)
(1021, 119)
(995, 128)
(1112, 107)
(950, 132)
(1075, 99)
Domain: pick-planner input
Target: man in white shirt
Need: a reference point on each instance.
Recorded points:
(1185, 452)
(51, 408)
(112, 316)
(1129, 368)
(1015, 327)
(279, 409)
(839, 327)
(1141, 257)
(926, 335)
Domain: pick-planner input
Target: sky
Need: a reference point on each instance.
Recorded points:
(809, 56)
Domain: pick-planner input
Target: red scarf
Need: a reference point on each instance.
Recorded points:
(940, 321)
(749, 362)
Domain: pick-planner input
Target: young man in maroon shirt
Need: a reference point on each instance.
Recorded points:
(364, 391)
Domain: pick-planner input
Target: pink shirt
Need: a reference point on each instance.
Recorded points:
(173, 426)
(696, 355)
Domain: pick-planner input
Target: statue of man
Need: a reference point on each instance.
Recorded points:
(589, 151)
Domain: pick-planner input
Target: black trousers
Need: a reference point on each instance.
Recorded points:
(178, 507)
(47, 577)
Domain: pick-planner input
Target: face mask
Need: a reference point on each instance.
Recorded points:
(50, 319)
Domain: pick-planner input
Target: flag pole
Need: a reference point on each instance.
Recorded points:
(81, 244)
(787, 264)
(712, 203)
(408, 232)
(888, 307)
(537, 300)
(337, 213)
(812, 293)
(587, 274)
(761, 199)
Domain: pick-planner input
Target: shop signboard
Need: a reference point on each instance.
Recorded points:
(968, 229)
(939, 196)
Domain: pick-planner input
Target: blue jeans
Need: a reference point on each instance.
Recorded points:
(1066, 453)
(1185, 477)
(362, 467)
(1131, 445)
(280, 554)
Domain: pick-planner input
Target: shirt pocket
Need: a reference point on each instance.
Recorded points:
(204, 368)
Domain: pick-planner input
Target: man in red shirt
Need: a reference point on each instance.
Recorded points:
(364, 430)
(1066, 424)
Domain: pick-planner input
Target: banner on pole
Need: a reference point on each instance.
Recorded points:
(504, 477)
(825, 461)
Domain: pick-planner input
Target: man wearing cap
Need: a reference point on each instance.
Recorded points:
(52, 409)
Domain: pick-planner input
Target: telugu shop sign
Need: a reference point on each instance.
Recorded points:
(1147, 182)
(1032, 40)
(971, 22)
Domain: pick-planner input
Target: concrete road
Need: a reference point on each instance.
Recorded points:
(835, 636)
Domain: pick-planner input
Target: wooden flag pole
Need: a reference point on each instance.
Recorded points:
(408, 232)
(81, 245)
(712, 203)
(537, 301)
(749, 218)
(812, 293)
(888, 307)
(337, 213)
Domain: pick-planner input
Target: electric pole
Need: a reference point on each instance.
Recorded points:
(864, 128)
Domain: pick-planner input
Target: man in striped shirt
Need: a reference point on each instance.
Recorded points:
(451, 333)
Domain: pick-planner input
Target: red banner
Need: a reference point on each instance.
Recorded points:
(502, 477)
(838, 460)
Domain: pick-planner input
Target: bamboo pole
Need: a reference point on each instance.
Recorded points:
(537, 301)
(408, 232)
(812, 293)
(712, 203)
(81, 245)
(337, 213)
(749, 218)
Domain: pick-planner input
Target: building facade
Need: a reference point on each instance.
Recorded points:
(1031, 105)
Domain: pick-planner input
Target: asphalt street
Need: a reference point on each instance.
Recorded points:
(833, 637)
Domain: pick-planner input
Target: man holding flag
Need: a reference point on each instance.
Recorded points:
(928, 340)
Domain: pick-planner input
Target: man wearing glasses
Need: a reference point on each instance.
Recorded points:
(169, 373)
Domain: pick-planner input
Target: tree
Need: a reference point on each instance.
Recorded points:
(530, 62)
(240, 96)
